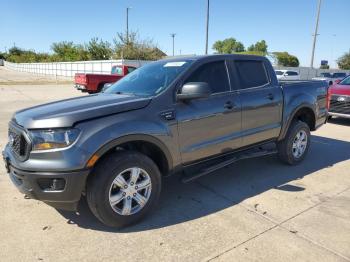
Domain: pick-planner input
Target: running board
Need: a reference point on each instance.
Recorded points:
(211, 169)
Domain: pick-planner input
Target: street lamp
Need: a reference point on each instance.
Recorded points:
(316, 33)
(207, 29)
(173, 36)
(127, 24)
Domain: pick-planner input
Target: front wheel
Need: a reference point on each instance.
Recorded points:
(123, 188)
(294, 147)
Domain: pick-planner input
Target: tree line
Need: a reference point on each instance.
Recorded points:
(127, 47)
(131, 46)
(232, 46)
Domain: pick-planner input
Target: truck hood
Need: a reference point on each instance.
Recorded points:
(339, 90)
(66, 113)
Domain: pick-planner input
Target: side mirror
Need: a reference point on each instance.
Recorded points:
(105, 86)
(337, 81)
(194, 90)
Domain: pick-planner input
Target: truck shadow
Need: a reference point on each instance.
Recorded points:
(340, 121)
(210, 194)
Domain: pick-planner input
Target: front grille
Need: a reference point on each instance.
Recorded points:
(18, 141)
(340, 104)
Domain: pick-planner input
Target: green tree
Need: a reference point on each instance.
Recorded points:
(344, 61)
(259, 46)
(228, 46)
(68, 51)
(136, 48)
(98, 49)
(285, 59)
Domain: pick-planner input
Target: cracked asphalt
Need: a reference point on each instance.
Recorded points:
(254, 210)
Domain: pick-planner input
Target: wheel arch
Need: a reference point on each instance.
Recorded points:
(147, 144)
(304, 113)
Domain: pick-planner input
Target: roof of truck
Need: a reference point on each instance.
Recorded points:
(223, 56)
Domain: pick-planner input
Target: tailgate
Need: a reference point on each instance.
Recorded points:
(80, 79)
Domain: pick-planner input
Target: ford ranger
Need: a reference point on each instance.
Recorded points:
(168, 117)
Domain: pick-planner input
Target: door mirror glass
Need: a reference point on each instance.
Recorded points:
(194, 90)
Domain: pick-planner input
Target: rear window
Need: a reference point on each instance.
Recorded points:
(251, 73)
(117, 70)
(339, 75)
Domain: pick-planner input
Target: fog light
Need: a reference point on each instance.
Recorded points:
(52, 184)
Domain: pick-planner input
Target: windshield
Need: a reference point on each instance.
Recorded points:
(279, 73)
(150, 79)
(345, 81)
(326, 75)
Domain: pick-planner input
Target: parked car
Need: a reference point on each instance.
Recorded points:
(287, 75)
(94, 83)
(340, 99)
(331, 78)
(187, 116)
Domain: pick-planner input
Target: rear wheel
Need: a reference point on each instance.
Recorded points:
(124, 188)
(294, 147)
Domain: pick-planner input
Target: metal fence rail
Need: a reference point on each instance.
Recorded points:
(68, 69)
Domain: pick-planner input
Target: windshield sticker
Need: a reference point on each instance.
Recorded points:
(174, 64)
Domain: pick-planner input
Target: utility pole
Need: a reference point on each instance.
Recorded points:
(316, 33)
(173, 36)
(127, 24)
(207, 29)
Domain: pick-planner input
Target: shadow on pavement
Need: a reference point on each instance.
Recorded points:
(340, 121)
(231, 185)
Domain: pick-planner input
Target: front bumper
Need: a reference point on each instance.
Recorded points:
(61, 190)
(339, 115)
(80, 87)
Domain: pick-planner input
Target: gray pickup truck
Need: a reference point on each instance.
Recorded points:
(186, 116)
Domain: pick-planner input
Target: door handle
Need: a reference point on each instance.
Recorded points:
(228, 105)
(270, 96)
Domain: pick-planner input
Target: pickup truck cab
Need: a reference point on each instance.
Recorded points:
(186, 116)
(94, 83)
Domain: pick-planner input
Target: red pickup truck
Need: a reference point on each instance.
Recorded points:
(93, 83)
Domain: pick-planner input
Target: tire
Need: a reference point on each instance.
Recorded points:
(103, 187)
(286, 152)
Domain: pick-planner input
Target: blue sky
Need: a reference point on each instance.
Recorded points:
(285, 25)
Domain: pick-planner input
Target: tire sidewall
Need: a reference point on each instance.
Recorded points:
(107, 173)
(298, 126)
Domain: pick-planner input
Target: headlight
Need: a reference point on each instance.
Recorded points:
(51, 139)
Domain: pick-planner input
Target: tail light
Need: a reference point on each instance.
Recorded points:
(328, 98)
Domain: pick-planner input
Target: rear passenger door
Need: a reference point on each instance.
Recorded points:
(261, 102)
(209, 126)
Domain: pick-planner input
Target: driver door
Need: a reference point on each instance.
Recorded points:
(209, 126)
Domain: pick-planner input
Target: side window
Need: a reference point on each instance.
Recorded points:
(214, 74)
(251, 73)
(292, 73)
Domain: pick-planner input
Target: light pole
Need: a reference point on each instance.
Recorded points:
(173, 36)
(316, 33)
(127, 24)
(207, 29)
